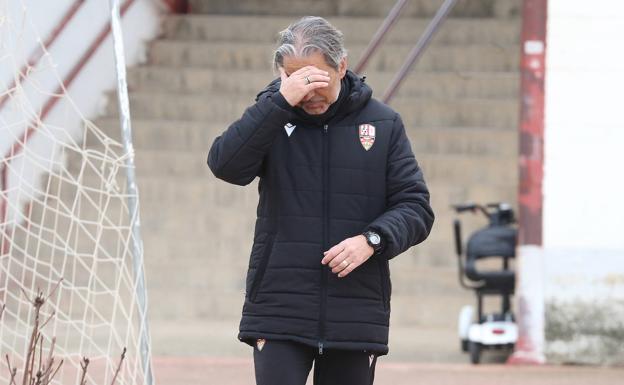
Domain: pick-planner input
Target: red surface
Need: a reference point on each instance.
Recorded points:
(177, 6)
(531, 162)
(193, 370)
(238, 371)
(531, 149)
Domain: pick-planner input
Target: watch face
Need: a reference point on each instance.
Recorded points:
(374, 238)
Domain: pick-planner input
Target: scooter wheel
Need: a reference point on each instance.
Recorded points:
(475, 352)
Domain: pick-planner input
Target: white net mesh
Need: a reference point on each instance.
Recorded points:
(64, 215)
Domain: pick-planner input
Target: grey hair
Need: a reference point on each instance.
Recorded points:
(308, 35)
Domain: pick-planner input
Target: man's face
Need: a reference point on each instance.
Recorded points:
(317, 101)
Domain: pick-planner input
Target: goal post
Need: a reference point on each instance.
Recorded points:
(70, 214)
(131, 185)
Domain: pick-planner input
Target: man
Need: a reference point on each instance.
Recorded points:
(340, 195)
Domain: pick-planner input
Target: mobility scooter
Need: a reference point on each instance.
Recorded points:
(496, 330)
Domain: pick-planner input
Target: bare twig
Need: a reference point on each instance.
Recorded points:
(25, 295)
(48, 320)
(123, 355)
(39, 378)
(54, 374)
(84, 364)
(12, 371)
(54, 289)
(45, 375)
(31, 368)
(40, 352)
(30, 377)
(50, 362)
(13, 374)
(44, 371)
(2, 310)
(32, 344)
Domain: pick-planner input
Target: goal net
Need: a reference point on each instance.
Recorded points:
(66, 215)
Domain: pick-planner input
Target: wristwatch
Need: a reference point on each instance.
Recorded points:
(374, 240)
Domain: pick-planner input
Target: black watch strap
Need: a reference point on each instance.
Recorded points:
(374, 240)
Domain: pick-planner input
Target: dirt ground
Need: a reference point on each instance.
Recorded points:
(238, 371)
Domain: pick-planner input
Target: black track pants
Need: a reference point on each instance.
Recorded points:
(289, 363)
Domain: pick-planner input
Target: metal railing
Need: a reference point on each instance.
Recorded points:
(375, 42)
(416, 52)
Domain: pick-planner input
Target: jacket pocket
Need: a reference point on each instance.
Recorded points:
(264, 261)
(384, 276)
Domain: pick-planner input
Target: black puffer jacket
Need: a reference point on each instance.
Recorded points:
(319, 186)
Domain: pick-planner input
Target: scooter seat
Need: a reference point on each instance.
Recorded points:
(503, 281)
(499, 241)
(492, 242)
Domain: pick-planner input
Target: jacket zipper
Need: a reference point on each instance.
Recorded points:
(324, 268)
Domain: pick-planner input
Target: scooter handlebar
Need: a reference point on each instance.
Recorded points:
(460, 208)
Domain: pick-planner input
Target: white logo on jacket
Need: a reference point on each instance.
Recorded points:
(289, 127)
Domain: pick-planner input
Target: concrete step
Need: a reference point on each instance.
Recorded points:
(194, 276)
(469, 169)
(356, 30)
(407, 278)
(229, 241)
(496, 170)
(224, 247)
(425, 311)
(173, 192)
(167, 197)
(437, 85)
(175, 176)
(164, 235)
(226, 235)
(197, 272)
(39, 259)
(253, 56)
(193, 191)
(445, 193)
(187, 216)
(375, 8)
(464, 141)
(198, 136)
(421, 112)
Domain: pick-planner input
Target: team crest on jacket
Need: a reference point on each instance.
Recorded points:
(367, 135)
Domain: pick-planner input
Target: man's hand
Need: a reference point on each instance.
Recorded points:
(296, 86)
(348, 255)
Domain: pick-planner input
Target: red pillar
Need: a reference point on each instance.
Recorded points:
(177, 6)
(531, 151)
(529, 292)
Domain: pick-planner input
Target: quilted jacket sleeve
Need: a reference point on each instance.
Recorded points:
(236, 156)
(408, 218)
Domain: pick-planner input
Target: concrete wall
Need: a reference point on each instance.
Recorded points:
(29, 21)
(583, 189)
(584, 305)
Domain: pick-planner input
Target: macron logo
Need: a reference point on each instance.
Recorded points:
(289, 127)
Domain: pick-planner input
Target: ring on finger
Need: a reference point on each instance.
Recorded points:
(307, 79)
(345, 263)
